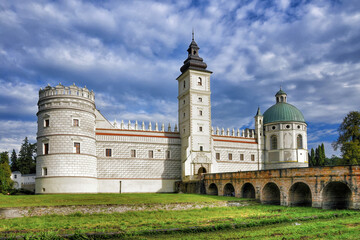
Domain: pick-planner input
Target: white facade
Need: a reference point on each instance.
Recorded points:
(25, 181)
(80, 151)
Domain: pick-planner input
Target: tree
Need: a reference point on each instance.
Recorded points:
(5, 181)
(349, 138)
(27, 157)
(14, 161)
(312, 160)
(322, 155)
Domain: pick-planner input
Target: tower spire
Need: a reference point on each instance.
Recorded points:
(193, 35)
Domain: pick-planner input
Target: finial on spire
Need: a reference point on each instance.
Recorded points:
(193, 35)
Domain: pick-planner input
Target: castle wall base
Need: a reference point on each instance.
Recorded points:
(136, 185)
(49, 185)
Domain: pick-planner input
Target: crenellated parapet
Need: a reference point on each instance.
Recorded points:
(143, 127)
(72, 90)
(244, 133)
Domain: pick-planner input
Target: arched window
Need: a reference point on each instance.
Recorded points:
(282, 99)
(299, 141)
(273, 142)
(200, 81)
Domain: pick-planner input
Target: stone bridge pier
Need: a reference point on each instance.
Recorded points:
(321, 187)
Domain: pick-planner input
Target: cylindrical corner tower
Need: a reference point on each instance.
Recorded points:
(66, 148)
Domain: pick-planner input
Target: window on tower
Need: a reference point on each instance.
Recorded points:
(200, 129)
(252, 157)
(273, 142)
(151, 154)
(200, 112)
(76, 122)
(46, 148)
(184, 84)
(47, 123)
(44, 171)
(217, 156)
(200, 99)
(133, 153)
(241, 157)
(299, 141)
(201, 148)
(199, 81)
(77, 147)
(230, 156)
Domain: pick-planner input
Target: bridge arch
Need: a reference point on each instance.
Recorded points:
(300, 195)
(213, 189)
(229, 190)
(336, 195)
(248, 191)
(270, 194)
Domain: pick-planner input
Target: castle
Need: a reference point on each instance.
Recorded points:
(80, 151)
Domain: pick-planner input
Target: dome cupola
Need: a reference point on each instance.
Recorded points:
(282, 111)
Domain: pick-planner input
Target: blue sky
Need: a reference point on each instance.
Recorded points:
(130, 52)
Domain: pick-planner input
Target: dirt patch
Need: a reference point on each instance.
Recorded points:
(91, 209)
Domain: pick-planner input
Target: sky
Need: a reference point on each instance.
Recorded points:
(130, 53)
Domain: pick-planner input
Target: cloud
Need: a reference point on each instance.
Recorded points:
(12, 134)
(130, 53)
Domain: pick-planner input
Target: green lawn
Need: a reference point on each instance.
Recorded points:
(95, 199)
(257, 221)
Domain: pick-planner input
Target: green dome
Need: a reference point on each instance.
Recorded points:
(283, 112)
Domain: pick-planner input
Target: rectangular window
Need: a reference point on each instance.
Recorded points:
(151, 154)
(133, 153)
(217, 156)
(200, 112)
(200, 129)
(108, 152)
(230, 156)
(252, 157)
(199, 81)
(44, 171)
(15, 176)
(201, 148)
(167, 154)
(46, 148)
(200, 99)
(77, 147)
(184, 84)
(242, 157)
(75, 122)
(47, 123)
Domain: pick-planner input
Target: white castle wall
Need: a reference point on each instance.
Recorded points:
(225, 145)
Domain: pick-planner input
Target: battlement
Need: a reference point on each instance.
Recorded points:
(244, 133)
(72, 90)
(143, 127)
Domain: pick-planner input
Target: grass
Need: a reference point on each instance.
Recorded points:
(95, 199)
(257, 221)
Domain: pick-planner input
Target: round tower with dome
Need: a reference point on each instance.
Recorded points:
(285, 135)
(66, 146)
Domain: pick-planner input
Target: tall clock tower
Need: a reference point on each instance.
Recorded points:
(194, 115)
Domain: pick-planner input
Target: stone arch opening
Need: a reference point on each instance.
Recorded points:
(248, 191)
(201, 170)
(229, 190)
(336, 195)
(271, 194)
(213, 190)
(300, 195)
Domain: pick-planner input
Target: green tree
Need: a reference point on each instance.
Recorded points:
(322, 155)
(14, 161)
(5, 181)
(27, 157)
(317, 157)
(312, 161)
(349, 138)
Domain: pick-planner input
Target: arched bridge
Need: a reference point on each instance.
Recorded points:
(321, 187)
